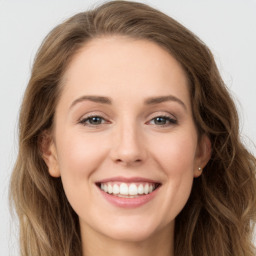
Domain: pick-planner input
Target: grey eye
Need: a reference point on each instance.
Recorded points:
(93, 120)
(163, 120)
(160, 120)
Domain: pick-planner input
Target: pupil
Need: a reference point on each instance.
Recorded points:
(160, 120)
(95, 120)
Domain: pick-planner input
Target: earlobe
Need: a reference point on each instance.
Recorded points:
(198, 171)
(49, 154)
(203, 155)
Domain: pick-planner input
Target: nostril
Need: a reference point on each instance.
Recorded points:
(128, 152)
(127, 161)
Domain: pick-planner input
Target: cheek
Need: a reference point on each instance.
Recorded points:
(78, 157)
(78, 154)
(176, 153)
(176, 156)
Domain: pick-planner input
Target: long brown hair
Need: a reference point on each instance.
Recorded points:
(219, 216)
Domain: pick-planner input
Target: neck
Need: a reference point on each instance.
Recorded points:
(159, 244)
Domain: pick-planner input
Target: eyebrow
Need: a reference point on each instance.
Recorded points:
(97, 99)
(161, 99)
(148, 101)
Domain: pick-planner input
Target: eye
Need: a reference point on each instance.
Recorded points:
(93, 121)
(163, 121)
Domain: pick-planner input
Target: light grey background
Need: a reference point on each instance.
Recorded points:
(228, 27)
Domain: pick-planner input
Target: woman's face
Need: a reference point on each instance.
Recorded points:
(124, 143)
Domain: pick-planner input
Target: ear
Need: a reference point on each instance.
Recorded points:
(203, 155)
(49, 153)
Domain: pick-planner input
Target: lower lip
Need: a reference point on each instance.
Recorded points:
(129, 202)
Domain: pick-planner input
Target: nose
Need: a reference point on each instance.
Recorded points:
(128, 146)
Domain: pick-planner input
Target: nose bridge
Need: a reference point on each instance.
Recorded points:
(128, 147)
(128, 135)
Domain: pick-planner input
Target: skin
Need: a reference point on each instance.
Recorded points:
(127, 140)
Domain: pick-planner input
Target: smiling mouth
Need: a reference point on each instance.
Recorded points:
(128, 190)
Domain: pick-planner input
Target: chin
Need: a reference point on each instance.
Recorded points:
(132, 232)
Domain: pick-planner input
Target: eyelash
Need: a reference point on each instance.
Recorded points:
(168, 120)
(87, 121)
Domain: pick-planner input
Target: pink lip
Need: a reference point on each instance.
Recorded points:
(127, 180)
(128, 202)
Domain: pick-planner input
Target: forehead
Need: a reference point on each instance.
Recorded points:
(116, 64)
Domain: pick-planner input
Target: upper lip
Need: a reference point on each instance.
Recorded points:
(127, 180)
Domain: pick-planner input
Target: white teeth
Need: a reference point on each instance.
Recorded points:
(146, 188)
(133, 190)
(140, 189)
(124, 190)
(115, 189)
(110, 189)
(127, 190)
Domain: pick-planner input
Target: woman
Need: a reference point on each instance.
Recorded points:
(129, 143)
